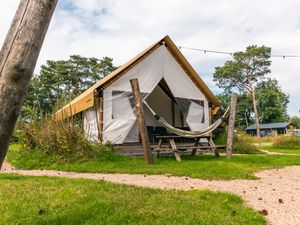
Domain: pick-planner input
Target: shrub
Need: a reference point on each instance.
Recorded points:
(221, 139)
(254, 139)
(243, 144)
(242, 147)
(287, 142)
(62, 138)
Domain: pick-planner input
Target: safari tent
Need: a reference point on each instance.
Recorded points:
(168, 83)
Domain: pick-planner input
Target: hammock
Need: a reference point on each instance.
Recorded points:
(186, 133)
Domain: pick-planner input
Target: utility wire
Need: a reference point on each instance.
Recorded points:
(231, 53)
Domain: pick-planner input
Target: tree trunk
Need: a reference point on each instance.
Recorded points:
(18, 58)
(252, 91)
(246, 119)
(256, 113)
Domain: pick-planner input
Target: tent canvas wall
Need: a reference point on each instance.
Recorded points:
(167, 82)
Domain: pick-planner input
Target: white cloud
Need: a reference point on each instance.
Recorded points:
(121, 29)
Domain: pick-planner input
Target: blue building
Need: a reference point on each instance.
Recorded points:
(271, 129)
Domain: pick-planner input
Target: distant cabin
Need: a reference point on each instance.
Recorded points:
(271, 129)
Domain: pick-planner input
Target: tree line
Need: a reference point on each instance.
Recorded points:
(60, 81)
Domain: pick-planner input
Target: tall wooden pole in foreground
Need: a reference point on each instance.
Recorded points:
(231, 125)
(141, 120)
(18, 58)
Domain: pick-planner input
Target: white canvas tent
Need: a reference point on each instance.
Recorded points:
(167, 82)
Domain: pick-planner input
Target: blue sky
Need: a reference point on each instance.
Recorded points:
(121, 29)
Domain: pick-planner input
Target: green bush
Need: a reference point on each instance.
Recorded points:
(221, 139)
(245, 148)
(287, 142)
(241, 145)
(254, 139)
(60, 138)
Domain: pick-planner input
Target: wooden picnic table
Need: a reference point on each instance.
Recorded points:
(196, 146)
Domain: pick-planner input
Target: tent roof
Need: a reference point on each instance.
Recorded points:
(86, 99)
(270, 126)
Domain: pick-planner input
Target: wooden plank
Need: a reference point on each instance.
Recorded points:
(159, 146)
(191, 148)
(202, 147)
(141, 120)
(231, 125)
(175, 136)
(174, 148)
(197, 147)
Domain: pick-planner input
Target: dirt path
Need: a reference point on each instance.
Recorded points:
(276, 153)
(277, 191)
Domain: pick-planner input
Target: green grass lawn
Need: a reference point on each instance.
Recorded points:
(42, 200)
(200, 166)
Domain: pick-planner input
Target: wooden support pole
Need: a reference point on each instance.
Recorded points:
(231, 125)
(18, 58)
(99, 111)
(141, 120)
(100, 120)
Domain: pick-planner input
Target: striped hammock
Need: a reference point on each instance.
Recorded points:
(186, 133)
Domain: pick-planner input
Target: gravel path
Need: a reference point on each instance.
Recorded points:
(276, 194)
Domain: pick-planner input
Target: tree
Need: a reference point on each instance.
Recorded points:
(271, 102)
(244, 109)
(18, 58)
(295, 120)
(244, 71)
(62, 80)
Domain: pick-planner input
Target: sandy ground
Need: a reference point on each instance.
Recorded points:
(277, 192)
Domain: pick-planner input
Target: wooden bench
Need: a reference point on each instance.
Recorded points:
(197, 145)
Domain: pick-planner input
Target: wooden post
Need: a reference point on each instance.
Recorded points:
(18, 58)
(99, 111)
(100, 119)
(231, 125)
(141, 120)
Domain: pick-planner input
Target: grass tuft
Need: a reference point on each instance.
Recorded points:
(287, 142)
